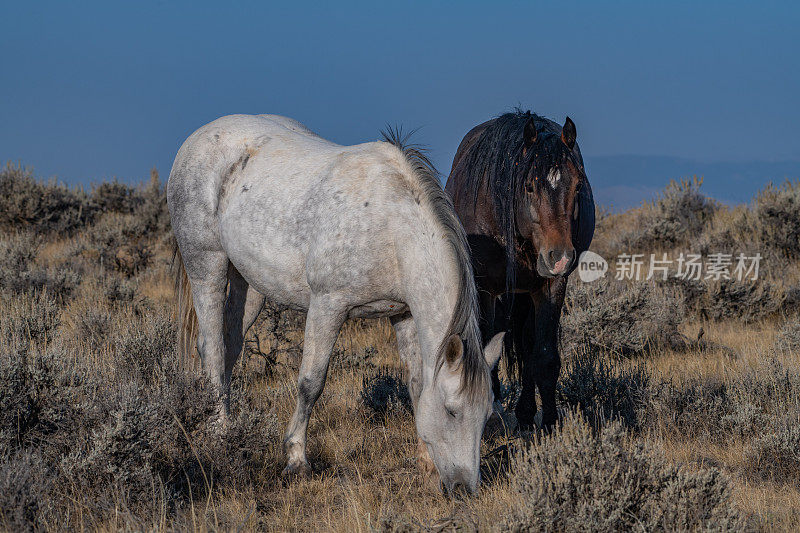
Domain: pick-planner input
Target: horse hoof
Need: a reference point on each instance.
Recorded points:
(549, 424)
(297, 470)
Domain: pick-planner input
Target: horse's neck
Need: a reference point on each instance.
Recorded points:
(432, 293)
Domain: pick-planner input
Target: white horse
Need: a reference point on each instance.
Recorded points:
(263, 207)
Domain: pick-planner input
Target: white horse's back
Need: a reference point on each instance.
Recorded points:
(287, 206)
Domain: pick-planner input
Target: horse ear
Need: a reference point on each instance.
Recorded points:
(529, 133)
(454, 349)
(569, 134)
(494, 349)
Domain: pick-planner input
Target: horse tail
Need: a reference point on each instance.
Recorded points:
(184, 309)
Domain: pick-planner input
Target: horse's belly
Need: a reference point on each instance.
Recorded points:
(271, 264)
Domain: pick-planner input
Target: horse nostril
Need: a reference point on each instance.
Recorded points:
(554, 256)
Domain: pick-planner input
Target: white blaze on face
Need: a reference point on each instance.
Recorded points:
(553, 176)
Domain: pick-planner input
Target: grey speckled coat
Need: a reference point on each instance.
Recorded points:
(263, 207)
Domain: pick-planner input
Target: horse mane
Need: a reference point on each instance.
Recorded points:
(464, 321)
(496, 164)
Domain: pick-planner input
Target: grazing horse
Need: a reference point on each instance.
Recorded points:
(262, 207)
(520, 189)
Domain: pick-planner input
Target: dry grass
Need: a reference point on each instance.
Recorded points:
(89, 438)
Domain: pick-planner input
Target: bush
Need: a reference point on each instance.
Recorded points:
(694, 408)
(25, 486)
(116, 289)
(578, 480)
(273, 334)
(746, 301)
(93, 326)
(385, 393)
(754, 403)
(777, 214)
(358, 359)
(115, 197)
(30, 317)
(145, 343)
(119, 243)
(19, 273)
(776, 455)
(678, 215)
(27, 204)
(603, 390)
(619, 319)
(788, 340)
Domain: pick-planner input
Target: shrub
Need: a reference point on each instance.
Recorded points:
(37, 399)
(755, 402)
(603, 390)
(119, 243)
(777, 214)
(117, 290)
(788, 339)
(385, 393)
(353, 358)
(27, 204)
(775, 455)
(272, 335)
(93, 325)
(623, 320)
(746, 301)
(25, 484)
(153, 211)
(679, 214)
(692, 408)
(19, 273)
(115, 197)
(29, 317)
(145, 343)
(791, 302)
(578, 480)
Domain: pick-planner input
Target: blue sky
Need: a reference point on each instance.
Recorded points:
(91, 91)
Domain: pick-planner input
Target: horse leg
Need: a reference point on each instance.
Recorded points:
(546, 359)
(242, 307)
(325, 318)
(408, 347)
(523, 326)
(207, 274)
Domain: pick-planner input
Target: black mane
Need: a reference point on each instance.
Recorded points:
(497, 164)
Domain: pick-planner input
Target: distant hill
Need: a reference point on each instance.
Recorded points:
(624, 181)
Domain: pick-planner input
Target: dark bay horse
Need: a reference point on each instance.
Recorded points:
(520, 189)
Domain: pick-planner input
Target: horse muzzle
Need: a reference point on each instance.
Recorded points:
(555, 262)
(460, 484)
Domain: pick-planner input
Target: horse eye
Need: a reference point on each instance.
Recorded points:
(450, 412)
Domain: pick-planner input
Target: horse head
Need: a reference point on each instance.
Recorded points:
(554, 187)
